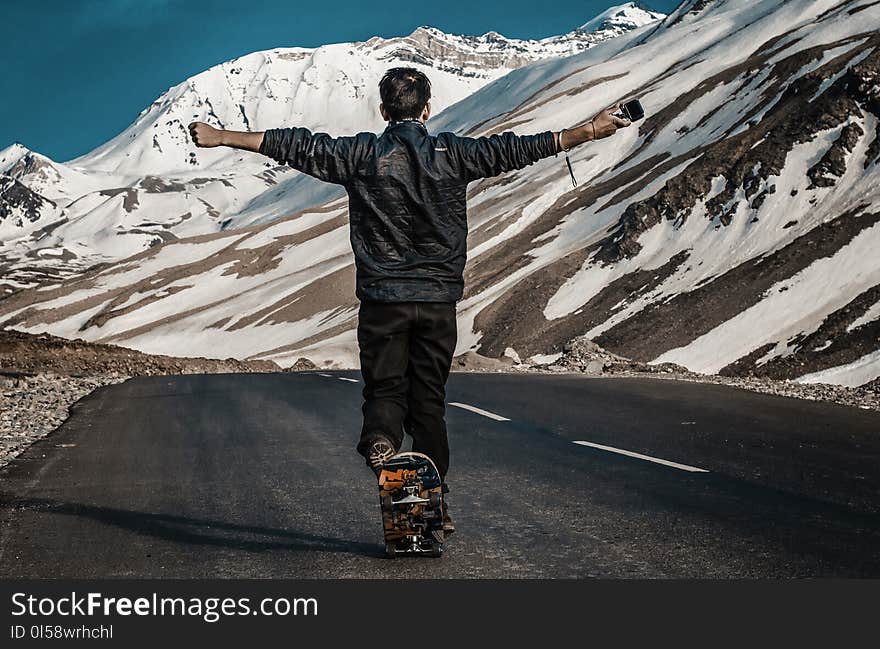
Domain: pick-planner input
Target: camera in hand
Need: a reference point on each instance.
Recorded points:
(632, 110)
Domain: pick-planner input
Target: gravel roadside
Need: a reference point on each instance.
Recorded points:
(31, 407)
(41, 376)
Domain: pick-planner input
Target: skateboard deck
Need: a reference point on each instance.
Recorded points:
(411, 500)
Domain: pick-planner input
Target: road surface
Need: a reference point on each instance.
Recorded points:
(254, 475)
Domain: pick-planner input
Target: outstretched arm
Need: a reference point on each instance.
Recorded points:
(482, 157)
(332, 159)
(205, 135)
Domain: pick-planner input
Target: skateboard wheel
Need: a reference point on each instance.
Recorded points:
(390, 551)
(385, 501)
(436, 499)
(436, 551)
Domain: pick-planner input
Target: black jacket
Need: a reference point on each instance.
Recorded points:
(406, 198)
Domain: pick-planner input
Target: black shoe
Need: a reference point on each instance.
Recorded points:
(379, 453)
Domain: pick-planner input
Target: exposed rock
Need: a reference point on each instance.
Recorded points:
(22, 205)
(129, 200)
(43, 353)
(585, 356)
(156, 185)
(301, 364)
(832, 165)
(474, 362)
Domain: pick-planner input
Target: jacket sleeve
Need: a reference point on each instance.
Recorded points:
(333, 160)
(489, 156)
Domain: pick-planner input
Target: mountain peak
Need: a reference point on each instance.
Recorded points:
(13, 153)
(17, 160)
(629, 15)
(428, 29)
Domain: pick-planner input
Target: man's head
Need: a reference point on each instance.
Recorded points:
(405, 94)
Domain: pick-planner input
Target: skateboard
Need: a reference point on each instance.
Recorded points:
(411, 499)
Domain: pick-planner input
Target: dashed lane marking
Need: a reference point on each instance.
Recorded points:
(657, 460)
(479, 411)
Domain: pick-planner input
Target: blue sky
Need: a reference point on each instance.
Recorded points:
(77, 72)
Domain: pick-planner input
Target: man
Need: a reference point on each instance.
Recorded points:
(407, 212)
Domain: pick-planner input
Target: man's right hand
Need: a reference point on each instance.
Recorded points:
(606, 123)
(205, 135)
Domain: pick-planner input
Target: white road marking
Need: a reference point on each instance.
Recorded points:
(345, 378)
(683, 467)
(329, 376)
(479, 411)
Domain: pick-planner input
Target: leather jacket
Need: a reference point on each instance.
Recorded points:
(407, 198)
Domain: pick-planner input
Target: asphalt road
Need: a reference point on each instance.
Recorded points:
(256, 476)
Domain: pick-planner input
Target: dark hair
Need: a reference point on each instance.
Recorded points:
(404, 93)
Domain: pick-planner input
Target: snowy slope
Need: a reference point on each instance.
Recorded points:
(734, 229)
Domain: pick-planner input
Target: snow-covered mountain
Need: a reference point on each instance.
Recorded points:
(734, 229)
(149, 184)
(332, 88)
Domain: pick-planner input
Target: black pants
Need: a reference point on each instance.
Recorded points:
(406, 351)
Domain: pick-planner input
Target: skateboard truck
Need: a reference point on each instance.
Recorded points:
(410, 499)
